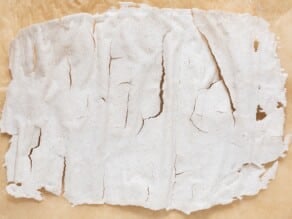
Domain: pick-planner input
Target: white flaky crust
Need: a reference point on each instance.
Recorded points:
(160, 108)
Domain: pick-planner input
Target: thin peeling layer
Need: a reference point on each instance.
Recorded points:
(139, 106)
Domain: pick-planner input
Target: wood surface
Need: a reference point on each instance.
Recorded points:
(273, 203)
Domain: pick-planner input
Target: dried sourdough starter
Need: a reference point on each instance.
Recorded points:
(161, 108)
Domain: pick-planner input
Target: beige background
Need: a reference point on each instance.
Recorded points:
(274, 203)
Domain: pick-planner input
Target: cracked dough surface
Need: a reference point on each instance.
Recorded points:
(157, 111)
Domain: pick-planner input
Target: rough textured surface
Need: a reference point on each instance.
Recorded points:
(261, 203)
(161, 108)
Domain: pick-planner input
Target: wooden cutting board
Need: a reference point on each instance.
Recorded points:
(274, 203)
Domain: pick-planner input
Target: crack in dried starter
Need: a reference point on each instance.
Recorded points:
(35, 147)
(219, 74)
(168, 166)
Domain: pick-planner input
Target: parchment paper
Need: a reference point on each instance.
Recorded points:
(276, 202)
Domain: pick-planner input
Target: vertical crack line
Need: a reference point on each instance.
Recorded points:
(16, 153)
(63, 176)
(93, 26)
(110, 60)
(127, 111)
(148, 194)
(162, 80)
(174, 175)
(69, 73)
(161, 85)
(35, 147)
(103, 187)
(142, 126)
(109, 77)
(94, 42)
(93, 32)
(34, 58)
(193, 191)
(192, 121)
(219, 72)
(87, 102)
(174, 165)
